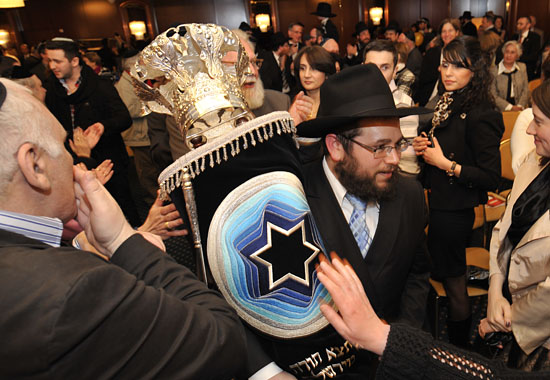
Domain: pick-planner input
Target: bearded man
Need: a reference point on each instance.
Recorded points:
(364, 209)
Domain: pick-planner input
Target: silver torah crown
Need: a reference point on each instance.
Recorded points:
(201, 87)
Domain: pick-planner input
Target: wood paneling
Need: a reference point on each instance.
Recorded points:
(405, 13)
(539, 8)
(229, 13)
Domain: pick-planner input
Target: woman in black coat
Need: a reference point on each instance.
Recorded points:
(460, 150)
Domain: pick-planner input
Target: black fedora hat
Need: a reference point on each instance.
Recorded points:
(467, 15)
(359, 27)
(354, 93)
(323, 10)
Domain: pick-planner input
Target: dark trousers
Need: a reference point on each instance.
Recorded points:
(448, 237)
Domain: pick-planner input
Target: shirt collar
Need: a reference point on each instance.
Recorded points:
(338, 189)
(393, 86)
(77, 84)
(524, 34)
(503, 69)
(41, 228)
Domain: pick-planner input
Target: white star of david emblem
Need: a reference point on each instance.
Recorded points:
(313, 248)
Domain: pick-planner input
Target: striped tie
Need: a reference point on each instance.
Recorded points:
(358, 224)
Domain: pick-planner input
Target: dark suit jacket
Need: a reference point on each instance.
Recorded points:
(330, 30)
(414, 62)
(396, 269)
(270, 72)
(472, 139)
(531, 50)
(68, 314)
(429, 74)
(469, 29)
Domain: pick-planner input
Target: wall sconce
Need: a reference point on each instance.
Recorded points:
(376, 14)
(4, 36)
(263, 21)
(137, 28)
(12, 3)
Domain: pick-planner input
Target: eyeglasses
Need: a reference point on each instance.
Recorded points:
(255, 61)
(385, 150)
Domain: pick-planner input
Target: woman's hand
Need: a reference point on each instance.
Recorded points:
(302, 108)
(432, 155)
(421, 143)
(435, 157)
(499, 312)
(355, 319)
(104, 171)
(484, 328)
(162, 220)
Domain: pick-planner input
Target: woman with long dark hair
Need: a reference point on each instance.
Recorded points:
(460, 150)
(312, 65)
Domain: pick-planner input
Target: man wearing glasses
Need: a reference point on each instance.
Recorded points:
(365, 210)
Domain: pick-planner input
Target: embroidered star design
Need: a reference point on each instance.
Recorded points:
(296, 262)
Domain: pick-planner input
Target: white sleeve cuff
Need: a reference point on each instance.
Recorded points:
(266, 372)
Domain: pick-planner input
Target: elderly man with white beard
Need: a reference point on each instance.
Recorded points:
(167, 144)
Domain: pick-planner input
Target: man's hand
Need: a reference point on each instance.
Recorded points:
(162, 220)
(351, 50)
(93, 133)
(302, 108)
(79, 144)
(99, 214)
(355, 319)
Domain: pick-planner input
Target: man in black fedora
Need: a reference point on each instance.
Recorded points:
(355, 54)
(364, 209)
(324, 14)
(468, 27)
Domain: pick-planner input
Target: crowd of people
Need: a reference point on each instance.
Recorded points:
(84, 276)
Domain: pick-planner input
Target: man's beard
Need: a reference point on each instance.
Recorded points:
(254, 96)
(363, 185)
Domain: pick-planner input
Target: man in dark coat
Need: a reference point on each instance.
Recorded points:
(364, 211)
(77, 97)
(355, 52)
(324, 14)
(274, 63)
(530, 42)
(468, 27)
(131, 313)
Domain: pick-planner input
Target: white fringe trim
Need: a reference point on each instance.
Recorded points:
(255, 131)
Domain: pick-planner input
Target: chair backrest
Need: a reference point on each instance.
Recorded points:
(509, 118)
(506, 160)
(534, 84)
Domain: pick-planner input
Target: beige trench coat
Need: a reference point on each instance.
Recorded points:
(529, 276)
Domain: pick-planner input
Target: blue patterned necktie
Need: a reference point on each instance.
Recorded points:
(358, 224)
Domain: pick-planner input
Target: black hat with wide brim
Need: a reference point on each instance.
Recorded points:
(323, 10)
(354, 93)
